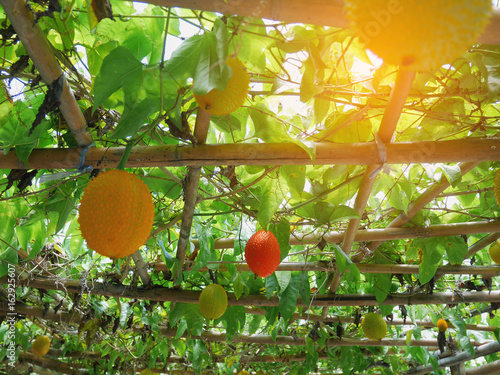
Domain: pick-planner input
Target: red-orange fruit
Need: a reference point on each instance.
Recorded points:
(116, 214)
(262, 253)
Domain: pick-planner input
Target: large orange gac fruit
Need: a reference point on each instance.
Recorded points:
(262, 253)
(116, 214)
(41, 345)
(418, 35)
(224, 102)
(213, 301)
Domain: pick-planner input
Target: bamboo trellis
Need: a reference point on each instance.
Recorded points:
(320, 12)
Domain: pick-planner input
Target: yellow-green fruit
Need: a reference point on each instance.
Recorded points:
(496, 187)
(116, 214)
(224, 102)
(374, 326)
(495, 252)
(213, 301)
(41, 345)
(418, 35)
(146, 372)
(243, 372)
(442, 325)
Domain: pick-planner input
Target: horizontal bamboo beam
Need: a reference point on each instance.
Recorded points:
(317, 12)
(386, 234)
(327, 153)
(190, 296)
(405, 269)
(483, 350)
(75, 318)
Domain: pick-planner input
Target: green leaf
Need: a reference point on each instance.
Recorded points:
(456, 249)
(283, 278)
(452, 172)
(206, 241)
(212, 72)
(282, 233)
(271, 284)
(270, 199)
(432, 256)
(457, 321)
(119, 68)
(192, 315)
(7, 257)
(345, 264)
(288, 297)
(124, 313)
(234, 320)
(239, 287)
(295, 177)
(382, 286)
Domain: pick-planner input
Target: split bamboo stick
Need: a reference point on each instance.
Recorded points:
(190, 296)
(327, 153)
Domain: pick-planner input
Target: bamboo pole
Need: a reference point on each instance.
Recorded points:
(35, 43)
(492, 368)
(190, 296)
(191, 192)
(422, 201)
(386, 234)
(75, 318)
(404, 269)
(317, 12)
(461, 357)
(392, 113)
(327, 153)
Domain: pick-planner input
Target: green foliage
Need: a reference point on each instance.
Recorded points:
(309, 87)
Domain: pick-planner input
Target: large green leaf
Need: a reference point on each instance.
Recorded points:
(288, 297)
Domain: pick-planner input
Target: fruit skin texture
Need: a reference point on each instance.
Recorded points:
(213, 301)
(374, 326)
(495, 252)
(262, 253)
(496, 187)
(442, 325)
(220, 103)
(116, 214)
(146, 372)
(418, 35)
(41, 345)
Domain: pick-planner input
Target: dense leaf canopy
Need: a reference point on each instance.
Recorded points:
(414, 250)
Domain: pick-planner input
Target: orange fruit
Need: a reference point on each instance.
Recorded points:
(41, 345)
(262, 253)
(495, 252)
(418, 35)
(374, 326)
(496, 187)
(224, 102)
(213, 301)
(116, 214)
(442, 325)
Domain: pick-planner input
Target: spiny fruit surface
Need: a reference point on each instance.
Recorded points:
(442, 325)
(116, 214)
(224, 102)
(213, 301)
(262, 253)
(418, 35)
(41, 345)
(495, 252)
(374, 326)
(496, 187)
